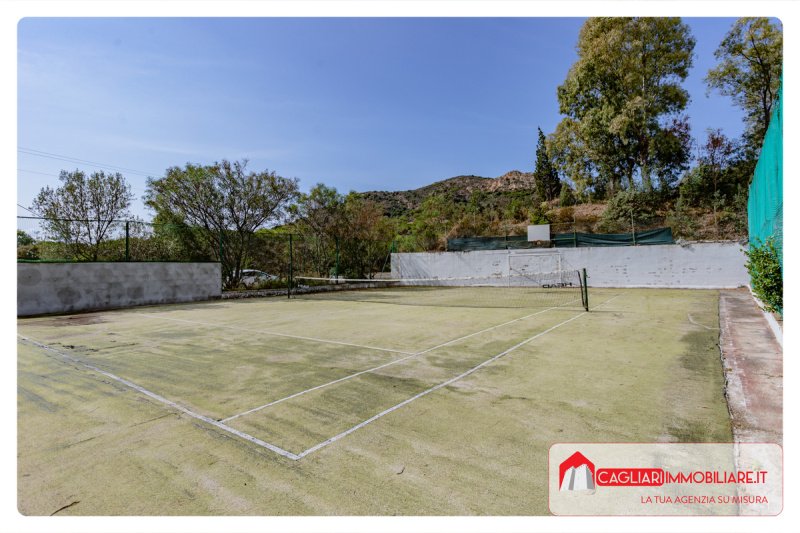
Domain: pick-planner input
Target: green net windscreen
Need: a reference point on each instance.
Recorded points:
(765, 202)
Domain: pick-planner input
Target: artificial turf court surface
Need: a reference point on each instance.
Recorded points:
(322, 406)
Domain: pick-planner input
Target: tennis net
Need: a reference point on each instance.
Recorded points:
(551, 289)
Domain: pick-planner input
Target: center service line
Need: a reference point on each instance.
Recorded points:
(373, 369)
(443, 384)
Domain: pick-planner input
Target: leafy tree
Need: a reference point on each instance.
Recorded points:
(621, 100)
(23, 239)
(548, 184)
(722, 169)
(320, 211)
(355, 227)
(749, 71)
(84, 210)
(26, 246)
(433, 220)
(222, 201)
(576, 161)
(718, 180)
(319, 220)
(366, 239)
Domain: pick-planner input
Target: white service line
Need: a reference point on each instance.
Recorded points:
(699, 324)
(266, 332)
(443, 384)
(167, 402)
(373, 369)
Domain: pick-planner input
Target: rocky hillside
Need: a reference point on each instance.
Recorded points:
(460, 188)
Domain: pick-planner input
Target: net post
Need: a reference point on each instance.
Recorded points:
(508, 265)
(127, 240)
(585, 291)
(291, 270)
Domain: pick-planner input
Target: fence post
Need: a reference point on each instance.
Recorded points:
(127, 240)
(336, 268)
(633, 228)
(291, 270)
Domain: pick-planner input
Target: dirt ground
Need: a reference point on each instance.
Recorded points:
(452, 437)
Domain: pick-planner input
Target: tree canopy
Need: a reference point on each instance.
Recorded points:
(331, 224)
(623, 102)
(749, 71)
(226, 202)
(83, 211)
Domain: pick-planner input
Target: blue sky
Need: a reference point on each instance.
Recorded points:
(359, 104)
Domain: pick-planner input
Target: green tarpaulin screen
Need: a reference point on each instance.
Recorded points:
(640, 238)
(765, 203)
(570, 240)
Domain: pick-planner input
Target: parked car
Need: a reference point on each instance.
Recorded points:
(252, 278)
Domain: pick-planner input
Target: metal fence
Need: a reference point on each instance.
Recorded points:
(67, 240)
(278, 254)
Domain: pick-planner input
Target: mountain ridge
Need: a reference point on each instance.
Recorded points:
(460, 188)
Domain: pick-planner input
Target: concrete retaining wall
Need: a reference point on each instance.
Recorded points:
(695, 266)
(44, 288)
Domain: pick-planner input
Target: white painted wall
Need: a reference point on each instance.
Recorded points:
(695, 266)
(44, 288)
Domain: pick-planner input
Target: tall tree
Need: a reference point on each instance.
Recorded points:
(546, 180)
(320, 212)
(622, 96)
(749, 71)
(345, 231)
(84, 210)
(224, 201)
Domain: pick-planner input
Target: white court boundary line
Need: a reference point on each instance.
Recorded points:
(285, 453)
(267, 332)
(169, 403)
(443, 384)
(390, 363)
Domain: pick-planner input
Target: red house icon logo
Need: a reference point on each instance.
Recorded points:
(576, 474)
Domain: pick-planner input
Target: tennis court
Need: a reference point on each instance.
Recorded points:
(375, 401)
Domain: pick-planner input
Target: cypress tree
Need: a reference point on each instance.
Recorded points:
(547, 182)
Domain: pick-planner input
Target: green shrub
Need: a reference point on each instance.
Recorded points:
(681, 221)
(567, 197)
(766, 278)
(29, 252)
(538, 214)
(629, 207)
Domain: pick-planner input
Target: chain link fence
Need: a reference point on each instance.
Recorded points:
(66, 240)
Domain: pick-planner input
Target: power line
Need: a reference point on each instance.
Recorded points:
(37, 172)
(26, 209)
(50, 155)
(134, 187)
